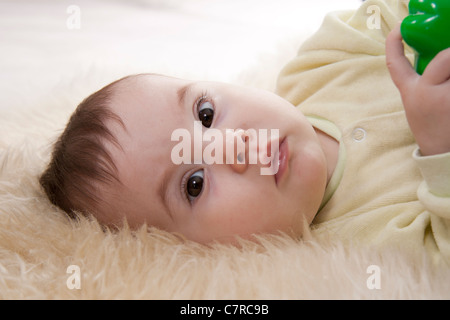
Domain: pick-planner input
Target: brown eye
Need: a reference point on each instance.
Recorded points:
(205, 113)
(194, 184)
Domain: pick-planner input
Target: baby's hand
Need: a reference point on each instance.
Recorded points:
(426, 98)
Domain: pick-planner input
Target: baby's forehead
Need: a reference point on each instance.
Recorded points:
(149, 108)
(146, 92)
(143, 80)
(130, 83)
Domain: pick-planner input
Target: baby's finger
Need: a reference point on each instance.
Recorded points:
(438, 70)
(399, 66)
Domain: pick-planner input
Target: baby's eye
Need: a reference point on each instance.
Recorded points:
(194, 184)
(205, 111)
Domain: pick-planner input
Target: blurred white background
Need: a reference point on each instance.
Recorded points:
(44, 43)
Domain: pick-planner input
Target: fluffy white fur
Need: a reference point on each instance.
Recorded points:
(38, 243)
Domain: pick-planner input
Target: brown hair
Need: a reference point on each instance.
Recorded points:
(80, 161)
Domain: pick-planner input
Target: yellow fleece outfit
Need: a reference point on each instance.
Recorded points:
(383, 192)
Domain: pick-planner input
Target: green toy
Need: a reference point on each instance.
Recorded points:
(427, 29)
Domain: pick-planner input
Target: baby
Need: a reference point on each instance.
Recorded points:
(115, 160)
(130, 152)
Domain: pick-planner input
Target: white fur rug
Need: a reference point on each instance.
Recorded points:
(43, 255)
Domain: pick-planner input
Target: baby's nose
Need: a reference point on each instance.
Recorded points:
(236, 152)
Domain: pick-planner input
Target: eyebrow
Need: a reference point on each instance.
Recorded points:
(183, 92)
(162, 191)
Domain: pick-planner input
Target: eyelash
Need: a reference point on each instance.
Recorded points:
(184, 181)
(203, 97)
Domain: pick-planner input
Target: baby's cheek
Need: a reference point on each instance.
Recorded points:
(247, 217)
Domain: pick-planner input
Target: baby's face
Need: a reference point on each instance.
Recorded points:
(181, 190)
